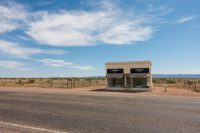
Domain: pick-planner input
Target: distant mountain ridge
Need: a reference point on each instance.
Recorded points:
(165, 76)
(176, 75)
(154, 76)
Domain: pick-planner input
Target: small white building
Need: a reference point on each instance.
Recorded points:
(134, 75)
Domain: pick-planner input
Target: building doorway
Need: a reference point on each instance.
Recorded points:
(128, 81)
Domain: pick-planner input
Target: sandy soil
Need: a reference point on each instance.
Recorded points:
(177, 91)
(100, 90)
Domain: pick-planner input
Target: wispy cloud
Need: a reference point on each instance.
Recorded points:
(87, 67)
(63, 63)
(109, 25)
(23, 38)
(185, 19)
(11, 64)
(43, 3)
(24, 69)
(15, 49)
(55, 63)
(11, 16)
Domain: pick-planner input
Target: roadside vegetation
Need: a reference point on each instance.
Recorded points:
(73, 82)
(192, 84)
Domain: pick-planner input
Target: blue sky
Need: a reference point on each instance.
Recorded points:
(64, 38)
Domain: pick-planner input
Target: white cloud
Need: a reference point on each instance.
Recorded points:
(6, 26)
(124, 34)
(186, 19)
(14, 65)
(52, 51)
(83, 67)
(24, 68)
(23, 37)
(83, 28)
(11, 16)
(62, 63)
(55, 63)
(14, 49)
(11, 64)
(107, 23)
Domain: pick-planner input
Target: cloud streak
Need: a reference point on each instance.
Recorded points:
(12, 15)
(55, 63)
(15, 49)
(63, 63)
(11, 64)
(185, 19)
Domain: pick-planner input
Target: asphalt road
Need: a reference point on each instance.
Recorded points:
(35, 112)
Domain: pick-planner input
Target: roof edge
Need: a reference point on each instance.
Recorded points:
(134, 62)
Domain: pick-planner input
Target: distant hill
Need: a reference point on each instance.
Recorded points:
(176, 75)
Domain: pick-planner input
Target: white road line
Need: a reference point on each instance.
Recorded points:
(29, 127)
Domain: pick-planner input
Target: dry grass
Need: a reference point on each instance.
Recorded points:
(176, 90)
(52, 82)
(178, 87)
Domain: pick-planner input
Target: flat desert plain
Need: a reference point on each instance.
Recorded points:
(100, 90)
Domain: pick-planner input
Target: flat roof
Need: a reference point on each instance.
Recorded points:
(130, 62)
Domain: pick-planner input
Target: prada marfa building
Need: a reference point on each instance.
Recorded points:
(129, 75)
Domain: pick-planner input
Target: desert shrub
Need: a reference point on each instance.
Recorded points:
(190, 82)
(77, 79)
(179, 80)
(31, 81)
(88, 79)
(19, 82)
(171, 81)
(56, 78)
(70, 79)
(49, 81)
(163, 79)
(156, 81)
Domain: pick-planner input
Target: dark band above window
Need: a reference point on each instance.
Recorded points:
(139, 70)
(115, 70)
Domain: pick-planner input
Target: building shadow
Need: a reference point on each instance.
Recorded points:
(123, 91)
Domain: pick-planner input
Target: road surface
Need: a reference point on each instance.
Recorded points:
(23, 112)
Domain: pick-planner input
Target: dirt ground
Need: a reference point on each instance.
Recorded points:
(174, 90)
(100, 90)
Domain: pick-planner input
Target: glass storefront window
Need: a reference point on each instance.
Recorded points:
(116, 82)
